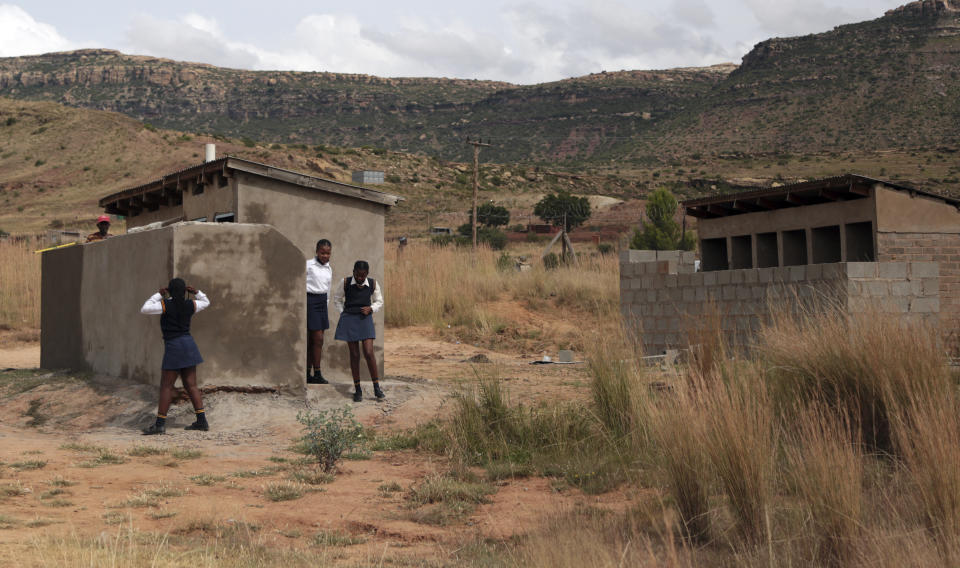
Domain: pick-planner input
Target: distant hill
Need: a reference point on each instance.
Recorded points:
(889, 83)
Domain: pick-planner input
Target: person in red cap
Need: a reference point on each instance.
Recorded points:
(103, 223)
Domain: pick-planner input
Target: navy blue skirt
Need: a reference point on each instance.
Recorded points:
(180, 353)
(355, 327)
(317, 312)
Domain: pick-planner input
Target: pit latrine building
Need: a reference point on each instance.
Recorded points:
(865, 243)
(239, 230)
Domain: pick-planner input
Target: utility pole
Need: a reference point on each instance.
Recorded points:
(477, 144)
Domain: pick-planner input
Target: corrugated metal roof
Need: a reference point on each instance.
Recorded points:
(792, 195)
(234, 163)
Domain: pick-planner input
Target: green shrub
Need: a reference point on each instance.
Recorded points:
(328, 434)
(441, 240)
(505, 262)
(605, 248)
(551, 261)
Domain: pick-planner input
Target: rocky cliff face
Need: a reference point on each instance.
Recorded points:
(890, 82)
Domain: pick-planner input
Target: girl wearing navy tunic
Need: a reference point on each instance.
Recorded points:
(180, 353)
(358, 299)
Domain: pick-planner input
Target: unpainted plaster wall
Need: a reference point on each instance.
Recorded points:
(219, 196)
(249, 336)
(805, 217)
(898, 212)
(354, 226)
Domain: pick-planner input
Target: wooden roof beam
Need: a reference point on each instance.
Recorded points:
(746, 205)
(700, 212)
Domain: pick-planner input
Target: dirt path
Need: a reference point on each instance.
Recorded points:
(60, 425)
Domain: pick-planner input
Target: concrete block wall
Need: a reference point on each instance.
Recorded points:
(942, 248)
(664, 300)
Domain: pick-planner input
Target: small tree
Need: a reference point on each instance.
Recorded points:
(554, 208)
(661, 232)
(328, 434)
(490, 215)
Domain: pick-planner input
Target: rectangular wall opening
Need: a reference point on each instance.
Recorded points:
(714, 253)
(742, 251)
(794, 247)
(767, 256)
(225, 218)
(860, 242)
(826, 244)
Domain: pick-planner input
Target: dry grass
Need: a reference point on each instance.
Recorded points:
(20, 292)
(448, 286)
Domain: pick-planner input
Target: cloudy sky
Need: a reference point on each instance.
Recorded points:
(521, 41)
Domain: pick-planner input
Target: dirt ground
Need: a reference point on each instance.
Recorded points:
(55, 423)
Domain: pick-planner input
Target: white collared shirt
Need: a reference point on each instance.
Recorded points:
(376, 301)
(154, 304)
(318, 277)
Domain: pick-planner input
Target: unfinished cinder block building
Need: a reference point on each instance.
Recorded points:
(239, 230)
(862, 242)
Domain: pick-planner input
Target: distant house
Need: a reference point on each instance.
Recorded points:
(441, 231)
(368, 177)
(239, 230)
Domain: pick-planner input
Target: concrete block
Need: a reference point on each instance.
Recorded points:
(688, 257)
(758, 292)
(663, 295)
(781, 274)
(798, 273)
(723, 277)
(710, 278)
(651, 296)
(689, 295)
(696, 279)
(901, 288)
(862, 269)
(656, 309)
(669, 255)
(627, 297)
(833, 271)
(686, 268)
(701, 294)
(736, 276)
(729, 292)
(875, 288)
(670, 280)
(930, 286)
(647, 282)
(676, 294)
(814, 272)
(925, 305)
(751, 276)
(765, 275)
(892, 270)
(924, 269)
(743, 292)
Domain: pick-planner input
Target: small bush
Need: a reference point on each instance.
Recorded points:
(328, 434)
(337, 538)
(551, 261)
(505, 262)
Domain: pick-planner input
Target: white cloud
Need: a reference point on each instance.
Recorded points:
(192, 38)
(20, 34)
(798, 17)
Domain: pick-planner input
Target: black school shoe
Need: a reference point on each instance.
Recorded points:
(317, 379)
(154, 430)
(198, 426)
(378, 393)
(357, 395)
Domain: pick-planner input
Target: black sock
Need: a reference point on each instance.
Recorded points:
(356, 384)
(376, 382)
(161, 421)
(201, 416)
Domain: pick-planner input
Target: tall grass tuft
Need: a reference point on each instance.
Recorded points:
(824, 466)
(678, 427)
(740, 442)
(926, 436)
(858, 364)
(20, 292)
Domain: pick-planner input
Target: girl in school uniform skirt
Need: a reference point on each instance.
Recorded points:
(357, 299)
